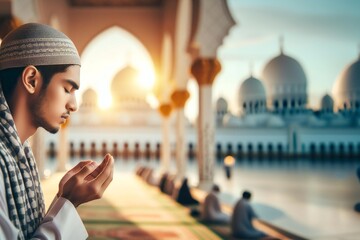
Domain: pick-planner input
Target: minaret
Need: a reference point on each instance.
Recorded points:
(281, 44)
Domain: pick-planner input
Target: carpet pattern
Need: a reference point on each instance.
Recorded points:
(132, 210)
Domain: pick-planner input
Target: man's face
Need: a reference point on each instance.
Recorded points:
(54, 104)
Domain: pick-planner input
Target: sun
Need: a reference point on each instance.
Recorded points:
(104, 101)
(146, 78)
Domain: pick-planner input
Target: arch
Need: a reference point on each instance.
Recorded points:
(191, 152)
(52, 150)
(322, 149)
(157, 151)
(218, 151)
(341, 149)
(229, 149)
(115, 151)
(72, 149)
(312, 148)
(82, 152)
(146, 25)
(280, 149)
(250, 148)
(107, 53)
(239, 150)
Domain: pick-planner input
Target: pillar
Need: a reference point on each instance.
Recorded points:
(63, 150)
(39, 151)
(205, 71)
(165, 111)
(179, 98)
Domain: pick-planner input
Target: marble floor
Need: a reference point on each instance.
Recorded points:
(313, 199)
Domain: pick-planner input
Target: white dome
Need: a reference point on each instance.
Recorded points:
(285, 83)
(347, 87)
(89, 99)
(252, 97)
(252, 89)
(327, 103)
(221, 105)
(126, 91)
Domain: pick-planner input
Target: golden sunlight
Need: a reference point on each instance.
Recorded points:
(109, 53)
(104, 101)
(146, 77)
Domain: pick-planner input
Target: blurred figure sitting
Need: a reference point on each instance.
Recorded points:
(184, 195)
(169, 185)
(357, 205)
(162, 182)
(211, 210)
(241, 220)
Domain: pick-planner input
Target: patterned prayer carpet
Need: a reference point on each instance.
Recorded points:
(132, 210)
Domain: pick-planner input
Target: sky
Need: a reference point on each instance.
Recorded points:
(322, 35)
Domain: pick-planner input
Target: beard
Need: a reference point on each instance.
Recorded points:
(39, 114)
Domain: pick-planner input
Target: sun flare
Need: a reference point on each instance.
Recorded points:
(104, 101)
(146, 78)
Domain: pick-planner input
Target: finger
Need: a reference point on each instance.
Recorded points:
(86, 170)
(107, 169)
(74, 170)
(78, 167)
(107, 182)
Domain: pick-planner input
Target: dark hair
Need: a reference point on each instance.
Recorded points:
(9, 77)
(246, 195)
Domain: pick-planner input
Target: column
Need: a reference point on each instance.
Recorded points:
(165, 111)
(179, 98)
(39, 151)
(63, 150)
(205, 71)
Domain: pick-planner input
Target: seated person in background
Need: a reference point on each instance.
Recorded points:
(241, 220)
(211, 210)
(357, 205)
(184, 195)
(162, 182)
(170, 185)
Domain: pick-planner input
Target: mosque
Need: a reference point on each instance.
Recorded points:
(180, 36)
(274, 118)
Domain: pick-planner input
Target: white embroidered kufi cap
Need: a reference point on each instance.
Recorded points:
(37, 44)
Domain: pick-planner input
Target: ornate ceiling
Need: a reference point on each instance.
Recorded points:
(115, 3)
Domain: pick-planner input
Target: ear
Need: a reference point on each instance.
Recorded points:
(31, 79)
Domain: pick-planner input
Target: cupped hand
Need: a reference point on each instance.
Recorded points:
(87, 181)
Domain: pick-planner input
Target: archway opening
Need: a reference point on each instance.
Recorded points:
(108, 53)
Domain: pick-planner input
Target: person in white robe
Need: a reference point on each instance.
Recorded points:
(39, 74)
(211, 208)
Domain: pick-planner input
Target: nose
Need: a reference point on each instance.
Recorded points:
(72, 104)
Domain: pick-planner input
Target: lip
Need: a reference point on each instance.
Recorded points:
(65, 116)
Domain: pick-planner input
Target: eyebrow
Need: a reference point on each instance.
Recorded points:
(72, 83)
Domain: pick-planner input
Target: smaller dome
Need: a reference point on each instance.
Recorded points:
(347, 87)
(89, 98)
(221, 105)
(327, 103)
(252, 89)
(252, 97)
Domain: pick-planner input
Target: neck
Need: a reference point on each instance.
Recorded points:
(22, 119)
